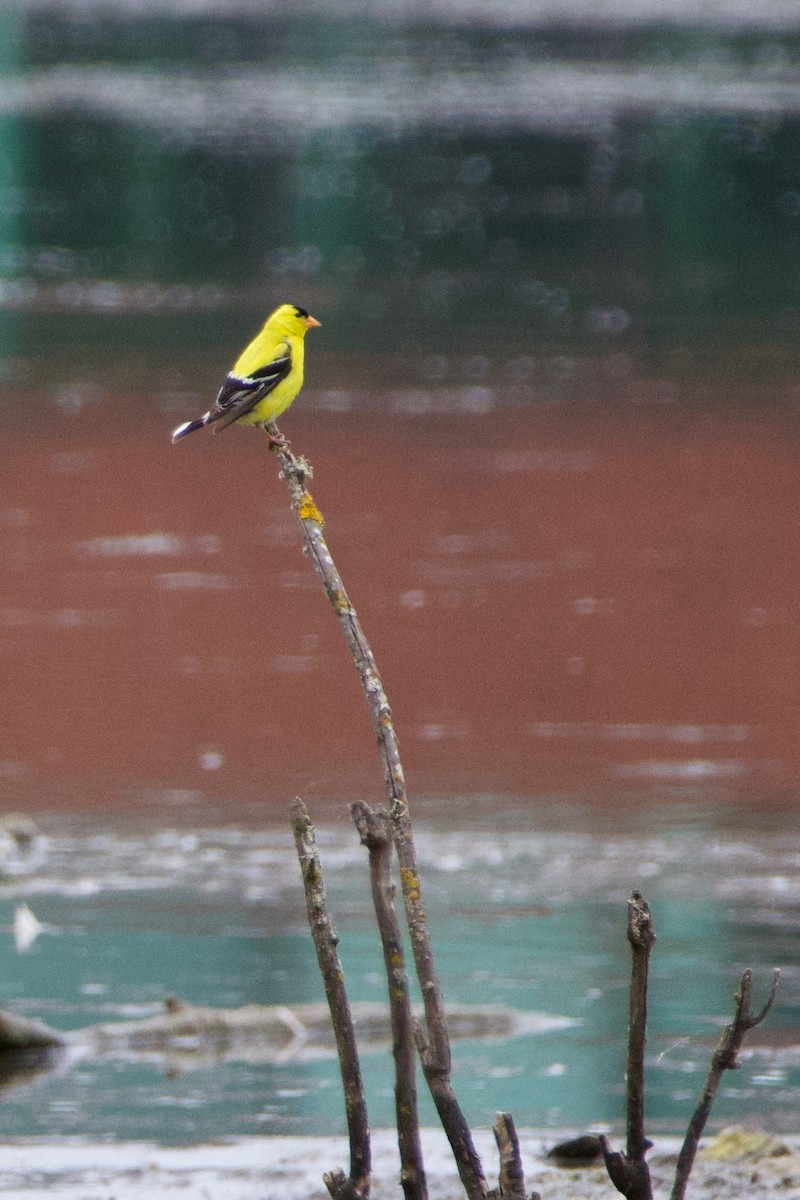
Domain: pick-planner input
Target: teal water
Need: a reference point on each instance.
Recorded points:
(527, 911)
(442, 191)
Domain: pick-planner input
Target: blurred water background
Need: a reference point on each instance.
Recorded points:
(552, 412)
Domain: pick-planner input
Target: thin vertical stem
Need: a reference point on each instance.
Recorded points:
(325, 943)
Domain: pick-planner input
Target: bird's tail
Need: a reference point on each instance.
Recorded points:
(187, 427)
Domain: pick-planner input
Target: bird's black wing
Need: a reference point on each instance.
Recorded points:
(239, 394)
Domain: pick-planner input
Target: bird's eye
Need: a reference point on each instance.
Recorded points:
(301, 312)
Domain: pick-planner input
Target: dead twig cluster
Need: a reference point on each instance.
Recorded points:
(386, 832)
(629, 1172)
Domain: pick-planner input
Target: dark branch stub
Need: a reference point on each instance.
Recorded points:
(629, 1172)
(340, 1187)
(511, 1184)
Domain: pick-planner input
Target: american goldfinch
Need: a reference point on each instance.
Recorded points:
(265, 378)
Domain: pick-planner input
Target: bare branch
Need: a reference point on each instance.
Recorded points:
(434, 1045)
(724, 1058)
(375, 831)
(325, 942)
(296, 472)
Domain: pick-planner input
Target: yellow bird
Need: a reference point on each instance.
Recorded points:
(265, 378)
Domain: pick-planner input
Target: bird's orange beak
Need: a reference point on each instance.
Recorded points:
(312, 323)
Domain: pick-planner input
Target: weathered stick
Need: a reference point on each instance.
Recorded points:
(724, 1058)
(629, 1172)
(376, 834)
(511, 1184)
(357, 1186)
(434, 1045)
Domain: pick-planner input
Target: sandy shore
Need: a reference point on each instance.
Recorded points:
(277, 1168)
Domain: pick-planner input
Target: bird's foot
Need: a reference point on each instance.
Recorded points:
(276, 440)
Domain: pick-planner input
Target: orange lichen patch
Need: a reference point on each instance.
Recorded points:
(308, 511)
(410, 884)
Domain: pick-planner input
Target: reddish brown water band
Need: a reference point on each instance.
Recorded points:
(557, 598)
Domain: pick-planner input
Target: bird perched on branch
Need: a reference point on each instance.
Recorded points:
(265, 378)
